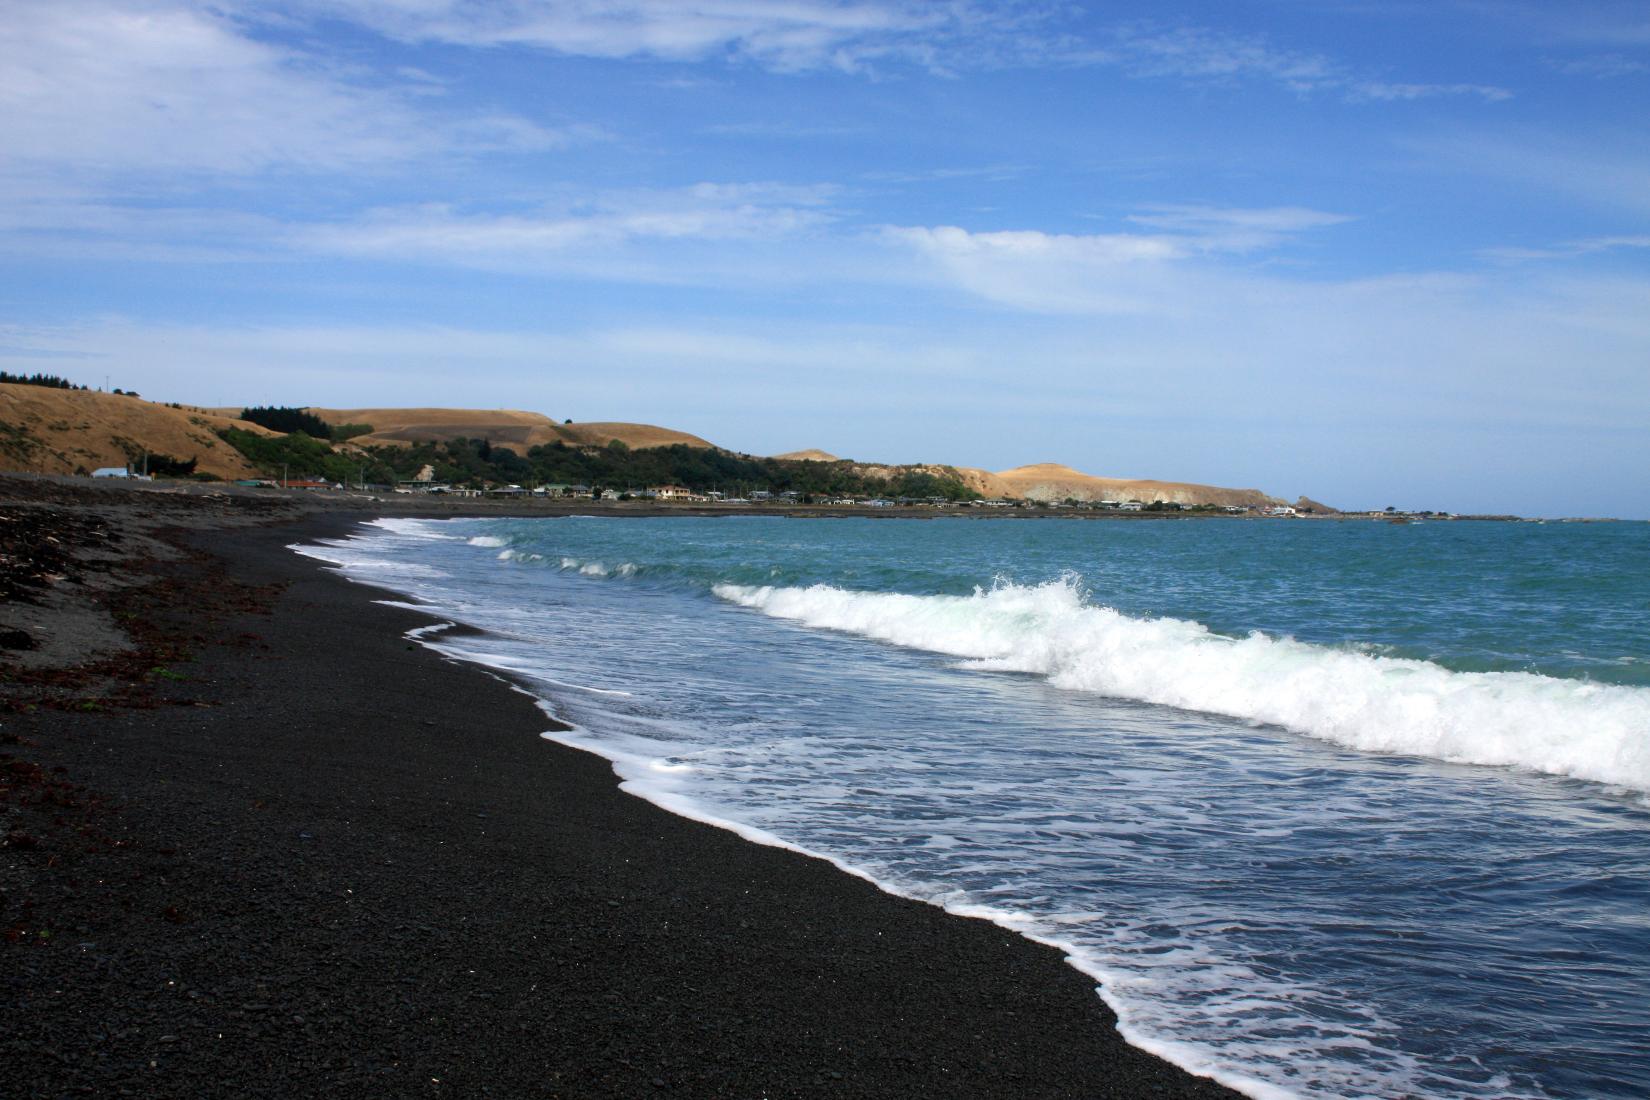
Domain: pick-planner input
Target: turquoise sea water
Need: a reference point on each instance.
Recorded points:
(1331, 808)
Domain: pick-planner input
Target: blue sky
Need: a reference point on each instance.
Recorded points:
(1375, 252)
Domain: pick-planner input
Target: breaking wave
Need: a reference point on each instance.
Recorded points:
(1576, 728)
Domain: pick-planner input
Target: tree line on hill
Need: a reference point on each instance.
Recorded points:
(478, 463)
(56, 382)
(51, 380)
(284, 419)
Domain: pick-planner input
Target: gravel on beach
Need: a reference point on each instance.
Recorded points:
(274, 848)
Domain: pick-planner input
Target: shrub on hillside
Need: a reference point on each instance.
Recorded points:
(281, 419)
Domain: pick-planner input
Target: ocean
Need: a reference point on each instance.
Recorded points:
(1329, 809)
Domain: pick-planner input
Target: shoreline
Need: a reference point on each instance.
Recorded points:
(437, 506)
(329, 858)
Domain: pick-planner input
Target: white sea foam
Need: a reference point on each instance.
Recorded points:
(486, 540)
(586, 568)
(1564, 727)
(413, 528)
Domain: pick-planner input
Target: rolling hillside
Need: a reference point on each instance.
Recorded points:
(510, 427)
(59, 431)
(1052, 481)
(52, 431)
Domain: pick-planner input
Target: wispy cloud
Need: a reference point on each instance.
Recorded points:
(1105, 273)
(1114, 273)
(1203, 54)
(596, 233)
(1603, 66)
(1214, 228)
(785, 131)
(103, 88)
(995, 172)
(1387, 92)
(1568, 250)
(792, 36)
(862, 36)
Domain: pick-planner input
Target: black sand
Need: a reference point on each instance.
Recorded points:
(325, 861)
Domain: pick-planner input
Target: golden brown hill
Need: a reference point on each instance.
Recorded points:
(1052, 481)
(52, 431)
(509, 427)
(812, 454)
(631, 435)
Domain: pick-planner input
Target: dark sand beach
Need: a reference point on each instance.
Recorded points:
(257, 843)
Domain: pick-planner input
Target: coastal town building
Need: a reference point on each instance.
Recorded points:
(674, 492)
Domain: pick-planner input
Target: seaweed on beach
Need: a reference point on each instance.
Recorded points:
(181, 606)
(39, 548)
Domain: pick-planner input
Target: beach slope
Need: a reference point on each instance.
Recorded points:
(315, 857)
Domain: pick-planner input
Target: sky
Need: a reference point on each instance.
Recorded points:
(1378, 252)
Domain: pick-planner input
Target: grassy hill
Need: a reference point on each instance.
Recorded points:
(57, 431)
(507, 427)
(65, 431)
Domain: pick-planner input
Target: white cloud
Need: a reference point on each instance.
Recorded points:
(1235, 230)
(1381, 91)
(595, 235)
(1199, 53)
(1568, 250)
(1050, 272)
(786, 35)
(99, 88)
(1203, 53)
(1115, 273)
(857, 35)
(1605, 66)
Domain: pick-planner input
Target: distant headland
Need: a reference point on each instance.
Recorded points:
(49, 426)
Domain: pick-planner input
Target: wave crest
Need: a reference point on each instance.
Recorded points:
(1574, 728)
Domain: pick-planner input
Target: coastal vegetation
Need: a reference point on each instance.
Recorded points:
(285, 419)
(49, 380)
(479, 463)
(299, 454)
(473, 461)
(52, 425)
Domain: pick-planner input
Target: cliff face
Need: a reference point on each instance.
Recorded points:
(52, 431)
